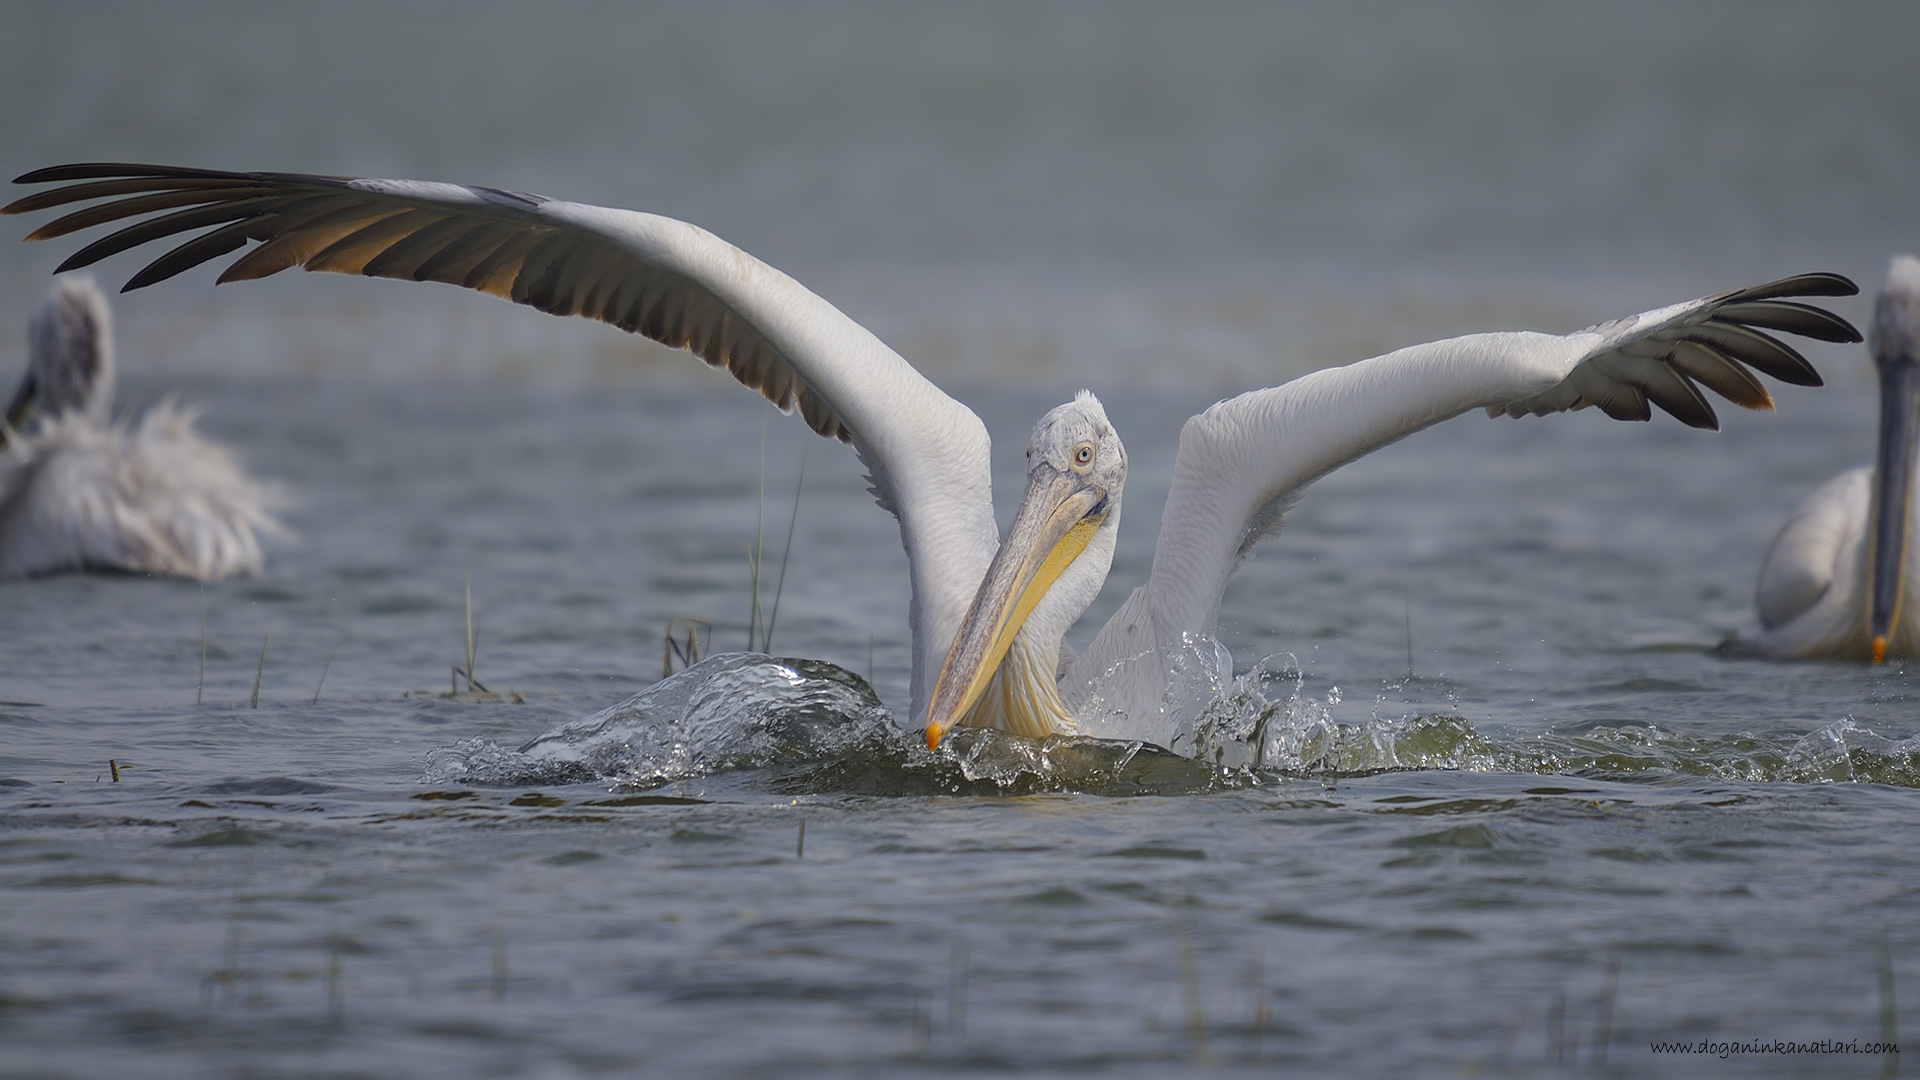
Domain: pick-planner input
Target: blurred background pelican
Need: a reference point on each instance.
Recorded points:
(80, 492)
(1839, 579)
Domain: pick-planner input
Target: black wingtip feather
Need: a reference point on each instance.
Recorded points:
(102, 170)
(1762, 352)
(189, 255)
(1791, 318)
(1683, 401)
(1818, 284)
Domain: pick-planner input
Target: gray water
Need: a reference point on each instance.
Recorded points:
(1521, 792)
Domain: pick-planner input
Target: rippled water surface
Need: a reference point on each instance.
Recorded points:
(1492, 791)
(1577, 789)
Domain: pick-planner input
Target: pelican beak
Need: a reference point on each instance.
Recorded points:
(1893, 492)
(1056, 521)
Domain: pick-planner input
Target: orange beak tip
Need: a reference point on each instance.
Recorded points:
(934, 731)
(1879, 650)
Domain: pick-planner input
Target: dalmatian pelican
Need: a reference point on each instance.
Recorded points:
(1840, 581)
(81, 492)
(987, 616)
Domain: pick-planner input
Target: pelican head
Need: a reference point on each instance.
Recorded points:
(69, 358)
(1896, 350)
(1002, 669)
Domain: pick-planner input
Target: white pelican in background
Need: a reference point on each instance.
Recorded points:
(78, 492)
(1840, 579)
(987, 616)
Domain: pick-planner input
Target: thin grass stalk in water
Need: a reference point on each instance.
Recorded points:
(753, 584)
(1557, 1027)
(759, 535)
(1408, 597)
(499, 966)
(474, 686)
(1889, 1020)
(253, 702)
(1190, 987)
(227, 978)
(200, 688)
(328, 666)
(922, 1023)
(1257, 986)
(470, 683)
(780, 584)
(957, 990)
(1513, 1032)
(336, 1004)
(1604, 1032)
(689, 654)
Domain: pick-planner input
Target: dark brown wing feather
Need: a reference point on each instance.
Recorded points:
(1711, 343)
(496, 243)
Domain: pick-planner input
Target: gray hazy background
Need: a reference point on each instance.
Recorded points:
(1094, 193)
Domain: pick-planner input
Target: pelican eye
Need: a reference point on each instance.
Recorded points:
(1084, 455)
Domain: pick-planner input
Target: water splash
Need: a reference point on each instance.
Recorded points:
(733, 711)
(1267, 722)
(809, 727)
(1185, 682)
(1843, 750)
(813, 727)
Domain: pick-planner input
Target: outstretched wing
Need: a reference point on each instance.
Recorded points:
(1243, 461)
(650, 275)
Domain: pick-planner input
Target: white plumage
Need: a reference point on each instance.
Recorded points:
(987, 616)
(1842, 579)
(79, 491)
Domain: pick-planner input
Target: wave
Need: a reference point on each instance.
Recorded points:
(810, 727)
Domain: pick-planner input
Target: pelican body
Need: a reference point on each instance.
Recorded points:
(1840, 580)
(79, 492)
(987, 615)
